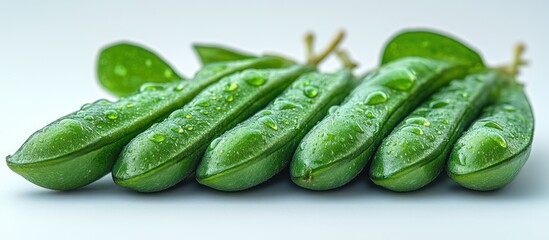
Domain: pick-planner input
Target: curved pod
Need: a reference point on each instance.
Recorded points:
(416, 151)
(81, 147)
(260, 147)
(168, 152)
(490, 154)
(337, 149)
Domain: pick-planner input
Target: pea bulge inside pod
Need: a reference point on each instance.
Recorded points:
(81, 147)
(263, 145)
(415, 152)
(169, 151)
(338, 147)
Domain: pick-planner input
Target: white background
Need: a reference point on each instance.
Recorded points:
(47, 62)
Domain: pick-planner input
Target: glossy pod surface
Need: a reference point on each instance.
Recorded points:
(263, 145)
(337, 149)
(168, 152)
(493, 150)
(81, 147)
(416, 150)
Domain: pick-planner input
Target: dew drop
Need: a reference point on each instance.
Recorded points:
(370, 114)
(188, 116)
(129, 105)
(464, 95)
(310, 91)
(499, 140)
(438, 104)
(179, 88)
(148, 62)
(71, 123)
(413, 129)
(178, 129)
(157, 137)
(190, 128)
(89, 118)
(269, 122)
(120, 70)
(302, 146)
(333, 109)
(214, 143)
(399, 79)
(204, 104)
(492, 124)
(111, 114)
(376, 97)
(285, 122)
(151, 87)
(285, 105)
(204, 112)
(231, 87)
(229, 98)
(431, 137)
(418, 120)
(85, 106)
(254, 79)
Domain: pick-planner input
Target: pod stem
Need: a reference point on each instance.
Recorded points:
(309, 45)
(518, 61)
(513, 68)
(315, 59)
(345, 59)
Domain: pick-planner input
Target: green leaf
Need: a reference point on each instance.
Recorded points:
(214, 53)
(123, 67)
(423, 43)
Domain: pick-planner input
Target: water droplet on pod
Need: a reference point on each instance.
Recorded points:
(376, 97)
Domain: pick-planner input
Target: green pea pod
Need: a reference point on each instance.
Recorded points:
(490, 154)
(415, 152)
(81, 147)
(428, 44)
(213, 53)
(260, 147)
(123, 67)
(168, 152)
(338, 147)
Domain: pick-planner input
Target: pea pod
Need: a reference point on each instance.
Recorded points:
(260, 147)
(490, 154)
(123, 67)
(429, 44)
(338, 147)
(168, 152)
(81, 147)
(212, 54)
(415, 152)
